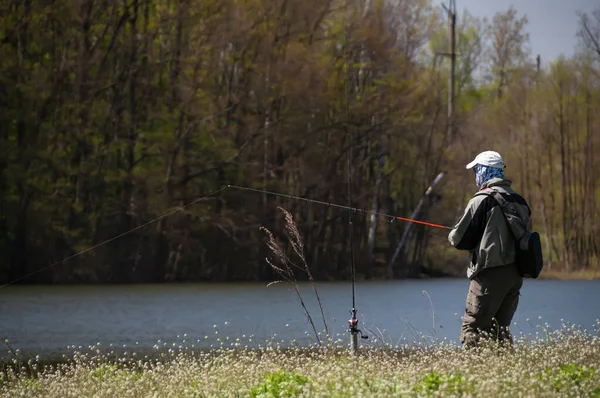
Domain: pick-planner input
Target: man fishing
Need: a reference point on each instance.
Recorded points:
(493, 294)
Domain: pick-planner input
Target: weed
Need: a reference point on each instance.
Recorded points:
(448, 383)
(568, 376)
(280, 384)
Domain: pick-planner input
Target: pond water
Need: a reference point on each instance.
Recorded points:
(46, 320)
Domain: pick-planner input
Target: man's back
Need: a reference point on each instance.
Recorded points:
(483, 229)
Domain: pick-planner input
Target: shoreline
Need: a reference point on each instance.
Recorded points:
(546, 274)
(561, 274)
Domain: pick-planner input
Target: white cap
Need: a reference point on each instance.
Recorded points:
(488, 158)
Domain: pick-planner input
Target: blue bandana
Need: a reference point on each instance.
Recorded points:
(486, 173)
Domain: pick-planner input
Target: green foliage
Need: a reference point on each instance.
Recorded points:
(104, 371)
(567, 376)
(30, 383)
(280, 384)
(434, 381)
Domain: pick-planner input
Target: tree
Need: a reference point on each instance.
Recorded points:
(589, 31)
(508, 46)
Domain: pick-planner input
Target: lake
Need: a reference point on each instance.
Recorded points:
(45, 320)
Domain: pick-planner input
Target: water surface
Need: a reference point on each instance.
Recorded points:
(45, 320)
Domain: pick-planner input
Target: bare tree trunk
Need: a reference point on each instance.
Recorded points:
(375, 208)
(542, 199)
(563, 161)
(401, 249)
(588, 189)
(538, 157)
(267, 123)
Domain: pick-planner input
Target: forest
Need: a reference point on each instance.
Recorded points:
(115, 113)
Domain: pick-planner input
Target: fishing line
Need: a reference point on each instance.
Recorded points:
(113, 238)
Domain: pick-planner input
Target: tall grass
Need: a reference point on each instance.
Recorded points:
(286, 267)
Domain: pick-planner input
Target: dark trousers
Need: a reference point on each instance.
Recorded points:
(491, 304)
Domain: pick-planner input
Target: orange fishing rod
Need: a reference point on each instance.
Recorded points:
(354, 209)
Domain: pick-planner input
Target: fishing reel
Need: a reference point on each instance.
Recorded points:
(353, 323)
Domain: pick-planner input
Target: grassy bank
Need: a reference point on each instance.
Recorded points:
(562, 274)
(561, 363)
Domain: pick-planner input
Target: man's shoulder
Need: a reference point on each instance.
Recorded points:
(480, 197)
(506, 189)
(507, 192)
(485, 192)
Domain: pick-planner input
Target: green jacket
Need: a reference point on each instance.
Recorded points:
(483, 230)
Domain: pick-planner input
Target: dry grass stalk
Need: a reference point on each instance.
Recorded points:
(284, 269)
(295, 239)
(286, 273)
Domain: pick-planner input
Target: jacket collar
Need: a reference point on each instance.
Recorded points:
(494, 182)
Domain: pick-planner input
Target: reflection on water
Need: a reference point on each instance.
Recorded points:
(45, 320)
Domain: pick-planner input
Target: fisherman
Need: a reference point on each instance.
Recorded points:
(495, 284)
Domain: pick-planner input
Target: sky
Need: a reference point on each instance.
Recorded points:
(552, 25)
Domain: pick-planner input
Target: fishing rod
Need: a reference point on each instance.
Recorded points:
(353, 321)
(391, 218)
